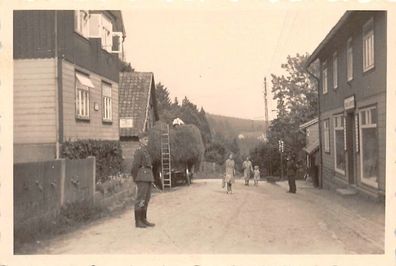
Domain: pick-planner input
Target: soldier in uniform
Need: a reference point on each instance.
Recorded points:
(291, 173)
(143, 177)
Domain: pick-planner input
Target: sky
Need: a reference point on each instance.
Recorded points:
(218, 55)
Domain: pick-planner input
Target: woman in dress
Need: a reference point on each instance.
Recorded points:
(229, 173)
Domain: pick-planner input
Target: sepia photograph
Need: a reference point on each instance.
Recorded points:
(201, 128)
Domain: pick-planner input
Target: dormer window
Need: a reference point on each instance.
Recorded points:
(101, 27)
(81, 22)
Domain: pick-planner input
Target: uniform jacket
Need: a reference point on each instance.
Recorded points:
(142, 166)
(291, 167)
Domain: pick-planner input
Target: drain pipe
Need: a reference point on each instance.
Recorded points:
(57, 148)
(320, 127)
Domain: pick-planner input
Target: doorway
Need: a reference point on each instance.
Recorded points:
(350, 146)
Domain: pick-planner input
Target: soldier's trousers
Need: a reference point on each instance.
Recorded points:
(143, 195)
(292, 184)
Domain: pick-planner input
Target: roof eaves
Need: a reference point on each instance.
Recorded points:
(309, 123)
(329, 36)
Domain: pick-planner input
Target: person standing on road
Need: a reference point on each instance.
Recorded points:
(142, 174)
(247, 170)
(256, 175)
(229, 173)
(291, 174)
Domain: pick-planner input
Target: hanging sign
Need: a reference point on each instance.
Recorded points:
(126, 122)
(349, 103)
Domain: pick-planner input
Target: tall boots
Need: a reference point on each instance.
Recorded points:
(141, 218)
(144, 218)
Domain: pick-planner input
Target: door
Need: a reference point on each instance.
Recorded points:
(350, 146)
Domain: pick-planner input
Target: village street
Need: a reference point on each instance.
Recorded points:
(203, 219)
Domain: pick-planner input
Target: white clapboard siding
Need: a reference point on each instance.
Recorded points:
(95, 128)
(34, 101)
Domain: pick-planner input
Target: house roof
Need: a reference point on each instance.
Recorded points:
(310, 148)
(309, 123)
(119, 23)
(136, 89)
(328, 37)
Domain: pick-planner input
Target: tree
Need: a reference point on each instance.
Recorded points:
(296, 97)
(297, 103)
(163, 99)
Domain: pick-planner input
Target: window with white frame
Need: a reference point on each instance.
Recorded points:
(368, 146)
(349, 60)
(326, 132)
(106, 102)
(81, 22)
(324, 77)
(368, 45)
(339, 144)
(107, 34)
(335, 71)
(83, 85)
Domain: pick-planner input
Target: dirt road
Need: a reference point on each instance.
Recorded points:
(202, 218)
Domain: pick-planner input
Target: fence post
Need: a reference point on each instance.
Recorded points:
(93, 158)
(62, 181)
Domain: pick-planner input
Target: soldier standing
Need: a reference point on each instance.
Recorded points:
(291, 174)
(142, 174)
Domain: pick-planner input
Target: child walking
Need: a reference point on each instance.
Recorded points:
(256, 175)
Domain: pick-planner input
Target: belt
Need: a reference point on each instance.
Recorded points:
(148, 167)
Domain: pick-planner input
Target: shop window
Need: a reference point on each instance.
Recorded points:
(368, 146)
(339, 144)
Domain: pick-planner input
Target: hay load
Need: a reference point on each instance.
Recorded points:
(186, 143)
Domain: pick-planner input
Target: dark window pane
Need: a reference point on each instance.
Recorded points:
(370, 153)
(374, 116)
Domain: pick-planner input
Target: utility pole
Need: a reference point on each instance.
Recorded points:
(265, 106)
(266, 122)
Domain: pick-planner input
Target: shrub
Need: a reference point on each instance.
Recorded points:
(108, 155)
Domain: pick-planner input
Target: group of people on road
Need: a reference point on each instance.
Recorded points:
(143, 177)
(248, 172)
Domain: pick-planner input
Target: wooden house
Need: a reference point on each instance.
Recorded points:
(311, 149)
(66, 75)
(138, 110)
(352, 99)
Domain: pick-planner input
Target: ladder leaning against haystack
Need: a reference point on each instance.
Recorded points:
(165, 158)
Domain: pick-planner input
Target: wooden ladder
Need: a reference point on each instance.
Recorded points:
(165, 158)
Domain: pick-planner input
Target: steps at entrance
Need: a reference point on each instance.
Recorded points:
(346, 191)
